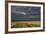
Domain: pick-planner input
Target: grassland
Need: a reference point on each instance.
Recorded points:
(25, 24)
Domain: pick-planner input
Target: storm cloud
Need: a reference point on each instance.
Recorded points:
(25, 13)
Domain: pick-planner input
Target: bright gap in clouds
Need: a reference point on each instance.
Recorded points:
(19, 12)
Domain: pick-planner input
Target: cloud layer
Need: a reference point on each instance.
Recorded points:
(25, 13)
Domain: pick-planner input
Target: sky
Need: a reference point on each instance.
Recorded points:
(25, 13)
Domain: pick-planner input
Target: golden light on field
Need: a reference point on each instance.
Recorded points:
(26, 23)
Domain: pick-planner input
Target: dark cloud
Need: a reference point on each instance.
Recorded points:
(25, 13)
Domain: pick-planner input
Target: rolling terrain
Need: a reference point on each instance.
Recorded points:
(25, 24)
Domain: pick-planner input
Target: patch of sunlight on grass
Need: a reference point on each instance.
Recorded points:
(29, 23)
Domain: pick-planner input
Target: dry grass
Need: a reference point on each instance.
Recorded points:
(19, 24)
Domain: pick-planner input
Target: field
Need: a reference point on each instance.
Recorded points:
(25, 24)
